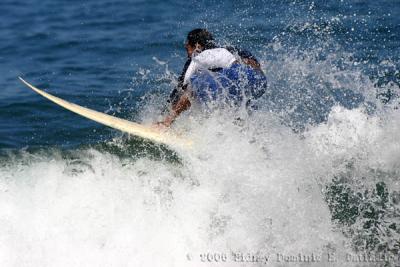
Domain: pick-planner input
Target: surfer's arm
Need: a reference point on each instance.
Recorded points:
(180, 88)
(182, 105)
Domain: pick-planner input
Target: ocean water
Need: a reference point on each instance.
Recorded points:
(311, 178)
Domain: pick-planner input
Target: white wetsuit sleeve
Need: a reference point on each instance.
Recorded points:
(208, 59)
(193, 67)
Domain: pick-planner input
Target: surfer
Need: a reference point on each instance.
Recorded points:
(213, 73)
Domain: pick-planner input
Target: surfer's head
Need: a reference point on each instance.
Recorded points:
(199, 40)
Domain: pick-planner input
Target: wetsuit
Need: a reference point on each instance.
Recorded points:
(216, 74)
(237, 85)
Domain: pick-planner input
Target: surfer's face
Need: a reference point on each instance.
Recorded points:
(190, 49)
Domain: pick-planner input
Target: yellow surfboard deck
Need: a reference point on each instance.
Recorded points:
(133, 128)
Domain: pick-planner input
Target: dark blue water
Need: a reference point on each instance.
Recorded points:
(315, 170)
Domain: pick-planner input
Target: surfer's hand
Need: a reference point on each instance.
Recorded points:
(159, 126)
(162, 125)
(166, 123)
(182, 105)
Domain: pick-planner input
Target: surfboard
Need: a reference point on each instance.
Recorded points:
(164, 137)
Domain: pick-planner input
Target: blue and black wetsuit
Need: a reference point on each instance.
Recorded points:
(236, 84)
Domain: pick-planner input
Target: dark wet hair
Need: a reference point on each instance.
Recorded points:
(202, 37)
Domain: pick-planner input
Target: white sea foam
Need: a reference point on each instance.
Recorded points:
(253, 188)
